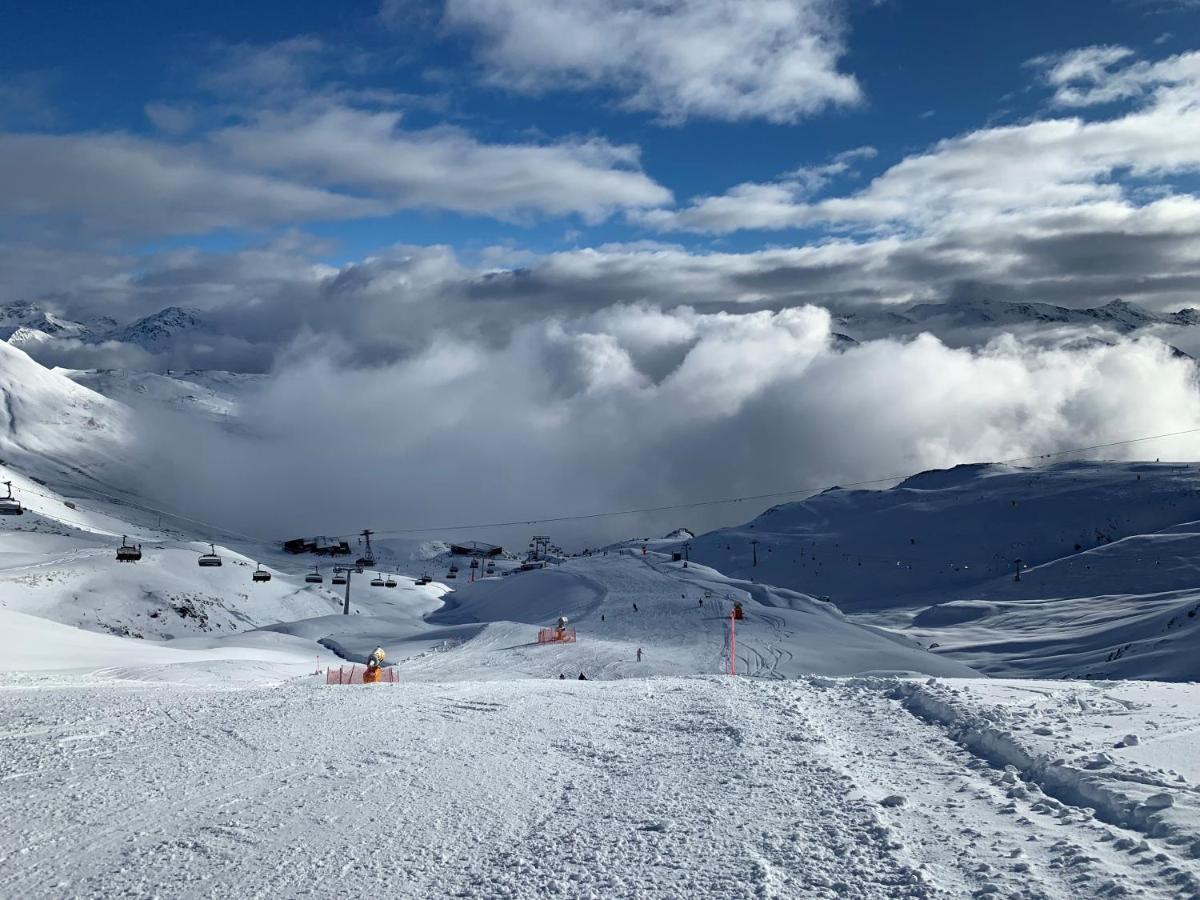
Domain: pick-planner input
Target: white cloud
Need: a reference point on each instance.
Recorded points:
(119, 185)
(443, 168)
(319, 162)
(576, 421)
(722, 59)
(170, 118)
(264, 68)
(1087, 77)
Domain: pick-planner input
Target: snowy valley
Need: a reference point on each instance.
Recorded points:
(174, 720)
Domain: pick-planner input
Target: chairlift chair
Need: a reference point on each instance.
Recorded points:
(208, 560)
(377, 581)
(260, 574)
(391, 582)
(128, 552)
(474, 564)
(339, 578)
(315, 576)
(10, 505)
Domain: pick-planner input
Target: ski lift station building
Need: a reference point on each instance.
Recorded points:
(321, 546)
(475, 548)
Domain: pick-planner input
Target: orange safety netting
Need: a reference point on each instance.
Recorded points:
(354, 675)
(556, 635)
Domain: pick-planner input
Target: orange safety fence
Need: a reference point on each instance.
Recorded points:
(354, 675)
(556, 635)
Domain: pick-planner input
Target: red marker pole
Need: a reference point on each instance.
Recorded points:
(732, 644)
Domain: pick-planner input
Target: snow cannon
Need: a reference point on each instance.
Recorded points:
(559, 633)
(372, 673)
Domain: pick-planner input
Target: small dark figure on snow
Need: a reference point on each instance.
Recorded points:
(601, 617)
(562, 677)
(701, 601)
(635, 607)
(582, 677)
(639, 654)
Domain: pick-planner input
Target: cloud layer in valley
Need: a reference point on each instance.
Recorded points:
(631, 406)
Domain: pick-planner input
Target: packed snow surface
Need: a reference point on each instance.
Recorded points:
(661, 787)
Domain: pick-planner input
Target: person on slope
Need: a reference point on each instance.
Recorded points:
(639, 654)
(562, 677)
(635, 607)
(582, 677)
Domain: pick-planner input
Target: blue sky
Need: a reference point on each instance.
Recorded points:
(927, 71)
(515, 131)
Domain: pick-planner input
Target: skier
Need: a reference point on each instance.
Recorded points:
(701, 602)
(601, 617)
(639, 654)
(562, 677)
(582, 677)
(635, 607)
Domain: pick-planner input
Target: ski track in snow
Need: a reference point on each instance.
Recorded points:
(701, 787)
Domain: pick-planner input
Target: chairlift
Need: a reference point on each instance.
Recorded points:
(207, 560)
(315, 576)
(453, 573)
(339, 578)
(260, 574)
(128, 552)
(424, 579)
(391, 582)
(377, 581)
(491, 569)
(474, 564)
(10, 505)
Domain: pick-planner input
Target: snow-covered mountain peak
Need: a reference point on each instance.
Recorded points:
(16, 317)
(161, 327)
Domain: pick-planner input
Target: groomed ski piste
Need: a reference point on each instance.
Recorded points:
(167, 730)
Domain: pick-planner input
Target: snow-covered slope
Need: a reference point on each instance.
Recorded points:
(679, 617)
(48, 423)
(1130, 609)
(214, 395)
(939, 533)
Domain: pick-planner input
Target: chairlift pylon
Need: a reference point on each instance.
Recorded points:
(208, 560)
(367, 559)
